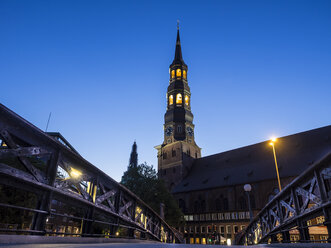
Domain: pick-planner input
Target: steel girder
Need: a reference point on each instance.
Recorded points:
(85, 183)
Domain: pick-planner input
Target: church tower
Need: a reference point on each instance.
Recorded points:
(133, 162)
(178, 150)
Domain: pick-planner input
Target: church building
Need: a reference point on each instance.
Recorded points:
(210, 190)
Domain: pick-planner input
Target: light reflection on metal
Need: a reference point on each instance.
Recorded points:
(75, 173)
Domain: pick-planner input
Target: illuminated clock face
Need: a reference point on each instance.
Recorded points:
(189, 131)
(168, 131)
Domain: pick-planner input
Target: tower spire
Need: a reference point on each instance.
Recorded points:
(133, 156)
(178, 52)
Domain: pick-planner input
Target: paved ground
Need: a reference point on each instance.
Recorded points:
(131, 245)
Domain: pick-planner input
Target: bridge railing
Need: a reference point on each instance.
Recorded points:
(289, 216)
(47, 188)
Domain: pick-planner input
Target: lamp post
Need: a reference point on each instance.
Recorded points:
(248, 188)
(272, 143)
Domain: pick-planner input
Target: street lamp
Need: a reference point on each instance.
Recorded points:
(272, 143)
(248, 188)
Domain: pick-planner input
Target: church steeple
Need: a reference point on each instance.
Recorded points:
(178, 52)
(133, 156)
(178, 147)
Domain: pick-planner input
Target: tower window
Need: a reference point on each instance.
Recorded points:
(172, 73)
(187, 100)
(174, 153)
(179, 129)
(178, 73)
(165, 155)
(184, 74)
(171, 99)
(179, 99)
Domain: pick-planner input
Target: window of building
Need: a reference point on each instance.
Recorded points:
(222, 230)
(203, 205)
(196, 206)
(173, 153)
(164, 155)
(252, 198)
(197, 229)
(181, 205)
(225, 204)
(235, 229)
(171, 99)
(196, 155)
(191, 229)
(184, 74)
(218, 204)
(220, 216)
(243, 227)
(179, 99)
(209, 229)
(174, 170)
(228, 229)
(242, 203)
(173, 74)
(179, 128)
(178, 73)
(187, 100)
(203, 229)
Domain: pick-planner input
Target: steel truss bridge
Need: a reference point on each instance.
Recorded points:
(287, 217)
(47, 188)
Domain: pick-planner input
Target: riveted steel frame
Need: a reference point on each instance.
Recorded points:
(104, 194)
(306, 197)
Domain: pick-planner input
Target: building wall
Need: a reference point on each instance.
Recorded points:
(223, 208)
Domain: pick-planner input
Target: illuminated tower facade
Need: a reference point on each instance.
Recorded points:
(178, 150)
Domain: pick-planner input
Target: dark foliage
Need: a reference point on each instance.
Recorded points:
(143, 181)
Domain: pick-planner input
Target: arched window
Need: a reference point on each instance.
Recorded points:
(178, 73)
(171, 99)
(203, 206)
(179, 99)
(187, 100)
(252, 198)
(179, 129)
(173, 153)
(181, 205)
(225, 204)
(242, 203)
(184, 74)
(218, 204)
(196, 206)
(173, 74)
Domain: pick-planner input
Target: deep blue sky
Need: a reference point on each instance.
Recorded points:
(256, 69)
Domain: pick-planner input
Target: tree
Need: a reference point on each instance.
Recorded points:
(143, 181)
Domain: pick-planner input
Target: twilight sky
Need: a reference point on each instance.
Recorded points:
(256, 69)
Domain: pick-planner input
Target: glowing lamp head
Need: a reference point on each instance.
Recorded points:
(117, 234)
(228, 242)
(75, 173)
(272, 141)
(247, 187)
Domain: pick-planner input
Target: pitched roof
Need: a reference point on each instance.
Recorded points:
(253, 163)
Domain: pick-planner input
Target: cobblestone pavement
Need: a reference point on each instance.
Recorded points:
(141, 245)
